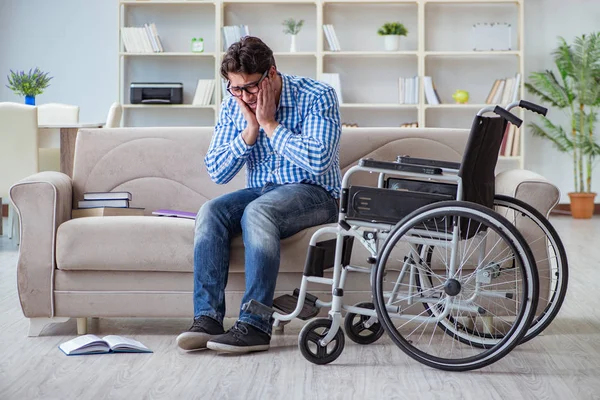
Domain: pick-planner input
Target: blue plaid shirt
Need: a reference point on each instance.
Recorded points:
(304, 147)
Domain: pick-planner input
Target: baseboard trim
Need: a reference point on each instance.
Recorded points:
(565, 209)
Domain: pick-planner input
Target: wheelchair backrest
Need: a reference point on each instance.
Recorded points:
(478, 165)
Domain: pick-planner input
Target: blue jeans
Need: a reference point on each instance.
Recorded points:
(263, 216)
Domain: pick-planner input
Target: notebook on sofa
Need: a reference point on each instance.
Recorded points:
(92, 344)
(174, 213)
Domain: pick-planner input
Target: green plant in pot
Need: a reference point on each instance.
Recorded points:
(391, 32)
(292, 27)
(28, 84)
(576, 91)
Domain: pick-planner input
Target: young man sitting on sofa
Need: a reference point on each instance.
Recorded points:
(286, 131)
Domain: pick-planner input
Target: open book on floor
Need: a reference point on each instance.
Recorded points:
(92, 344)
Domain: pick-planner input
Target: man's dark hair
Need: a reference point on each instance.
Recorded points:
(248, 56)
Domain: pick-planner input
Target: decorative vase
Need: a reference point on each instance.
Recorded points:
(30, 100)
(582, 205)
(391, 42)
(293, 44)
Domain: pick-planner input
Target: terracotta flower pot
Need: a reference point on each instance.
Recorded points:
(582, 205)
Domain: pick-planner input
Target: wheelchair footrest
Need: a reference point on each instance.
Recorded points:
(287, 304)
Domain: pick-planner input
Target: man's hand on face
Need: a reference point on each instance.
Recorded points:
(250, 134)
(266, 107)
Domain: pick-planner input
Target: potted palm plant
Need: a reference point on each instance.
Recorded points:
(391, 31)
(28, 84)
(576, 90)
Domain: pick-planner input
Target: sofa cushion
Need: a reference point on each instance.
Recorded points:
(136, 243)
(128, 243)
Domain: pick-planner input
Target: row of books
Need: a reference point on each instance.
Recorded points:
(511, 142)
(96, 204)
(504, 91)
(142, 40)
(233, 33)
(204, 92)
(408, 90)
(332, 39)
(107, 204)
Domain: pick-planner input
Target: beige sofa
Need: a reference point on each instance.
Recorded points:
(134, 266)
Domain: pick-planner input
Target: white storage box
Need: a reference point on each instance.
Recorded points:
(492, 36)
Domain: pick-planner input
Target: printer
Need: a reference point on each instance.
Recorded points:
(156, 93)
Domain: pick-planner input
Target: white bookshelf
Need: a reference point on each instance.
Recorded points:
(438, 45)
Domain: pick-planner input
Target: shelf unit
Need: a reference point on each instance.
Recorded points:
(426, 51)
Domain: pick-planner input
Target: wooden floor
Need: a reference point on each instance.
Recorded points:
(564, 363)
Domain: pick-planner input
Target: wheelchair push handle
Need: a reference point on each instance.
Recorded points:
(533, 107)
(510, 117)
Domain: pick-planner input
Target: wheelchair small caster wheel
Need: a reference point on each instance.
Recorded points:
(354, 325)
(311, 349)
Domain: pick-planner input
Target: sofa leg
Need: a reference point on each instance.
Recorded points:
(81, 326)
(488, 324)
(279, 328)
(36, 325)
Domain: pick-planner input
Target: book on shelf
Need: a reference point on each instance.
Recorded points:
(233, 33)
(333, 80)
(504, 91)
(204, 92)
(141, 39)
(511, 142)
(106, 212)
(498, 95)
(408, 90)
(92, 344)
(332, 39)
(121, 203)
(431, 94)
(107, 196)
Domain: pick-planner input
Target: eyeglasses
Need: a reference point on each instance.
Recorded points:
(251, 88)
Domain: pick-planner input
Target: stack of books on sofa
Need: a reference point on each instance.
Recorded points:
(103, 204)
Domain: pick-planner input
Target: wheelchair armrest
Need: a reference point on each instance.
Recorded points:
(428, 162)
(418, 169)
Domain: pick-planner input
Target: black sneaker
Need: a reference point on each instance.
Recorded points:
(203, 329)
(242, 338)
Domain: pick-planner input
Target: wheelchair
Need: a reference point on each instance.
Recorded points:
(454, 283)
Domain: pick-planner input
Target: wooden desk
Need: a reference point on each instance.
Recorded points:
(65, 141)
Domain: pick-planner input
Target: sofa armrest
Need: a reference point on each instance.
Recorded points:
(43, 201)
(529, 187)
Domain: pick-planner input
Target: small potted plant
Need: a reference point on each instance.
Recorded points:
(391, 31)
(28, 84)
(576, 91)
(292, 27)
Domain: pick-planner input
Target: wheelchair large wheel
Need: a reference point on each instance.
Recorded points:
(550, 257)
(467, 264)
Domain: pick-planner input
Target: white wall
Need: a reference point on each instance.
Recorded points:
(77, 42)
(545, 21)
